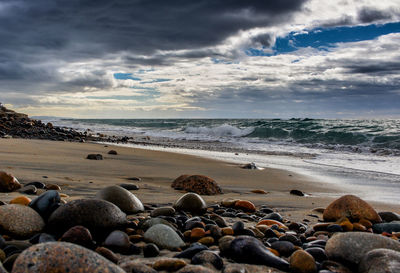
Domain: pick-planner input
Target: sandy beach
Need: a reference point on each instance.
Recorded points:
(65, 164)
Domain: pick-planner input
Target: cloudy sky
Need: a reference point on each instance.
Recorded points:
(204, 58)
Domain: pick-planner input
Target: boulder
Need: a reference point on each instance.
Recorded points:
(191, 202)
(199, 184)
(122, 198)
(353, 208)
(380, 261)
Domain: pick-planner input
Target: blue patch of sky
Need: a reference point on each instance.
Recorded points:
(156, 80)
(126, 76)
(221, 61)
(325, 38)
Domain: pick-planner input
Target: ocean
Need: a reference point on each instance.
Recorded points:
(361, 157)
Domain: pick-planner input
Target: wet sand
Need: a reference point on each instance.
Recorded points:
(65, 164)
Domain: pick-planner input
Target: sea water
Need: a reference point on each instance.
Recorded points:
(361, 157)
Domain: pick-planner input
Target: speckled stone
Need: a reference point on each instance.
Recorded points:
(380, 261)
(352, 246)
(164, 237)
(62, 257)
(78, 235)
(122, 198)
(98, 216)
(20, 221)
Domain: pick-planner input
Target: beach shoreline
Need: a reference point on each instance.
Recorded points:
(65, 164)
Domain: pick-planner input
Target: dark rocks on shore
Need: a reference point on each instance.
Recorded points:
(199, 184)
(297, 192)
(391, 227)
(250, 166)
(94, 157)
(122, 198)
(129, 186)
(112, 152)
(62, 257)
(388, 216)
(99, 216)
(246, 249)
(78, 235)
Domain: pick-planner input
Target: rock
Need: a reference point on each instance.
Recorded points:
(169, 264)
(20, 221)
(108, 254)
(164, 237)
(46, 203)
(112, 152)
(136, 267)
(44, 238)
(250, 166)
(78, 235)
(150, 250)
(352, 246)
(387, 227)
(191, 202)
(259, 191)
(297, 192)
(122, 198)
(164, 211)
(38, 185)
(285, 248)
(352, 207)
(99, 216)
(199, 184)
(332, 266)
(54, 187)
(21, 200)
(62, 257)
(302, 262)
(245, 206)
(388, 216)
(246, 249)
(8, 183)
(195, 269)
(380, 261)
(118, 241)
(129, 186)
(208, 257)
(9, 261)
(273, 216)
(191, 251)
(30, 189)
(94, 157)
(154, 221)
(318, 253)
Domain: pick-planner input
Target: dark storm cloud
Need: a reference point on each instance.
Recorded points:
(375, 68)
(35, 32)
(370, 15)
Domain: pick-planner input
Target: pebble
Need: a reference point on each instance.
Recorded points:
(191, 202)
(191, 251)
(30, 189)
(118, 241)
(388, 216)
(122, 198)
(8, 183)
(94, 157)
(151, 250)
(195, 269)
(98, 216)
(302, 262)
(163, 211)
(36, 184)
(380, 261)
(285, 248)
(169, 264)
(352, 207)
(129, 186)
(247, 249)
(53, 187)
(208, 257)
(78, 235)
(10, 261)
(62, 257)
(273, 216)
(352, 246)
(387, 227)
(136, 267)
(164, 237)
(46, 203)
(318, 253)
(20, 221)
(245, 206)
(21, 200)
(108, 254)
(297, 192)
(112, 152)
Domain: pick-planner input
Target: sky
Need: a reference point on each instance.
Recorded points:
(201, 59)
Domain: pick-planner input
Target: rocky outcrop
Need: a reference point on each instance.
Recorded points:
(199, 184)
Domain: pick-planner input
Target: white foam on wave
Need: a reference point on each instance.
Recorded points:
(224, 130)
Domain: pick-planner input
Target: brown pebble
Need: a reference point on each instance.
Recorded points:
(169, 264)
(207, 241)
(227, 231)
